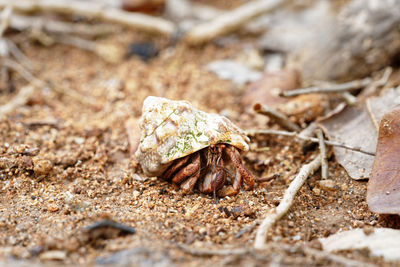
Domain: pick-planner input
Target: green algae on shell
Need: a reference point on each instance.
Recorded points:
(173, 129)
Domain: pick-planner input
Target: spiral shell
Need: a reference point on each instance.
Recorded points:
(173, 129)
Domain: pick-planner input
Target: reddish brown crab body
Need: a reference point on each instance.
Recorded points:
(189, 147)
(207, 169)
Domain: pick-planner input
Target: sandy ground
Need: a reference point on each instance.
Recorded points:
(65, 164)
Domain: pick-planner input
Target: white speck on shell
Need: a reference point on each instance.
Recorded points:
(174, 129)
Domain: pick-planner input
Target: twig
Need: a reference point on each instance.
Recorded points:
(339, 88)
(204, 252)
(213, 252)
(332, 88)
(286, 202)
(20, 99)
(95, 10)
(108, 52)
(5, 19)
(349, 98)
(21, 23)
(279, 117)
(370, 90)
(322, 149)
(371, 114)
(311, 139)
(230, 21)
(18, 54)
(323, 255)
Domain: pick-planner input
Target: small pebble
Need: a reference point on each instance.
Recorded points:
(54, 255)
(328, 185)
(53, 208)
(368, 230)
(316, 191)
(42, 166)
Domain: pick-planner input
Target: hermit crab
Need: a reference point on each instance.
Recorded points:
(186, 146)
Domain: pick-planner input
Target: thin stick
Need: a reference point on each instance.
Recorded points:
(286, 202)
(108, 52)
(332, 88)
(96, 10)
(18, 54)
(335, 258)
(5, 19)
(279, 117)
(20, 99)
(322, 148)
(212, 252)
(21, 23)
(204, 252)
(341, 88)
(350, 99)
(311, 139)
(230, 21)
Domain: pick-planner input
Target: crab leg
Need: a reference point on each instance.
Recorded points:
(234, 156)
(178, 164)
(234, 189)
(214, 180)
(188, 171)
(188, 185)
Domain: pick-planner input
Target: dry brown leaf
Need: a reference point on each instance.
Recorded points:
(352, 127)
(378, 106)
(356, 127)
(266, 90)
(305, 108)
(383, 194)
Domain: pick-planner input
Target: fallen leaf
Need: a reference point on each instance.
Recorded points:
(305, 108)
(383, 195)
(378, 106)
(237, 72)
(352, 127)
(355, 126)
(383, 242)
(266, 90)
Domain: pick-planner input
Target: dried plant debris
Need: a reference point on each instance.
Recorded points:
(237, 72)
(378, 106)
(383, 194)
(266, 90)
(352, 127)
(383, 242)
(332, 55)
(355, 126)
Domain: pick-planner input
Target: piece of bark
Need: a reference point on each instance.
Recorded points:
(383, 195)
(382, 242)
(93, 9)
(364, 37)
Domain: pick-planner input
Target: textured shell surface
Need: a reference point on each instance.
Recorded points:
(173, 129)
